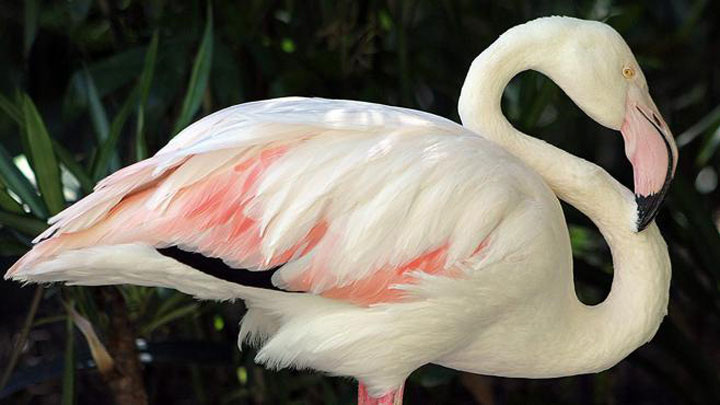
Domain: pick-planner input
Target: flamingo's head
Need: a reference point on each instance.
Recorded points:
(597, 69)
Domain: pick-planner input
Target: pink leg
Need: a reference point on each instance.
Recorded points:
(391, 398)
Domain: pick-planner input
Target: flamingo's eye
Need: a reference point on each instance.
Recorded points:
(628, 72)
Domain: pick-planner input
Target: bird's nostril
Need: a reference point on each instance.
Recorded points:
(657, 120)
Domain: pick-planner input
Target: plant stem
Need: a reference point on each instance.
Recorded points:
(125, 379)
(23, 336)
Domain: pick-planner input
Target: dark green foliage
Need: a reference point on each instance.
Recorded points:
(87, 87)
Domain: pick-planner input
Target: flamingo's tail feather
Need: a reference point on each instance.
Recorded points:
(132, 263)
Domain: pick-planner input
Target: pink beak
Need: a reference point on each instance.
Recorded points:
(650, 147)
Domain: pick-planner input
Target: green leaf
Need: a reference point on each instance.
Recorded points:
(141, 149)
(78, 9)
(12, 247)
(22, 223)
(102, 162)
(708, 122)
(167, 304)
(98, 116)
(531, 116)
(11, 110)
(697, 221)
(145, 82)
(68, 390)
(47, 171)
(227, 77)
(708, 149)
(85, 303)
(30, 26)
(20, 185)
(148, 68)
(8, 203)
(48, 319)
(108, 75)
(169, 317)
(198, 77)
(97, 111)
(73, 167)
(433, 376)
(136, 298)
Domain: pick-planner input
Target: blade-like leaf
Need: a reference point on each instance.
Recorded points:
(8, 203)
(68, 390)
(11, 110)
(12, 247)
(102, 162)
(30, 26)
(109, 75)
(20, 185)
(48, 319)
(141, 150)
(149, 68)
(47, 171)
(169, 317)
(701, 230)
(78, 9)
(22, 223)
(86, 305)
(542, 98)
(98, 116)
(97, 111)
(145, 81)
(166, 305)
(198, 77)
(74, 167)
(708, 148)
(709, 121)
(99, 353)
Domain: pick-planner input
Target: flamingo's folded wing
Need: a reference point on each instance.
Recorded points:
(350, 205)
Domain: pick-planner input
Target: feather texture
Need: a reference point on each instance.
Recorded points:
(338, 193)
(407, 238)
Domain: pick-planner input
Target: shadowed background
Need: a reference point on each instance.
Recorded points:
(88, 87)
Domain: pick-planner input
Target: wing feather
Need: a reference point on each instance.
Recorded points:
(353, 198)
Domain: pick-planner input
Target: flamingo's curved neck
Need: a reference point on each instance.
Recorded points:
(592, 338)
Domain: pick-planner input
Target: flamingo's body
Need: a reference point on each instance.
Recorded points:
(412, 239)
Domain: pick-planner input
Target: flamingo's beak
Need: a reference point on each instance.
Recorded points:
(650, 147)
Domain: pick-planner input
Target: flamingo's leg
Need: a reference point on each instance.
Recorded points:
(394, 397)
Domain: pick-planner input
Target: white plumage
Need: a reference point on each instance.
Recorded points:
(413, 239)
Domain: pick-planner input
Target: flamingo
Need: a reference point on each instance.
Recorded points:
(369, 240)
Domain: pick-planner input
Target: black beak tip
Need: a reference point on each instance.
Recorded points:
(647, 209)
(648, 206)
